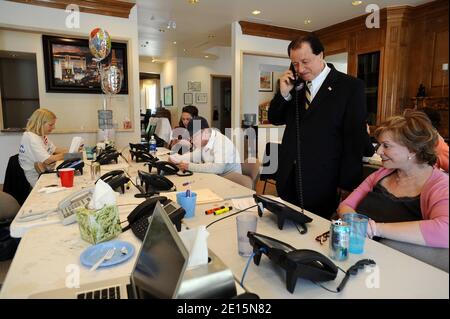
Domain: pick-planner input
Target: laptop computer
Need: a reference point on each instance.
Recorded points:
(157, 273)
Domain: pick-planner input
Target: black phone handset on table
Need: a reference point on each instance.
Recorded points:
(282, 211)
(77, 164)
(107, 156)
(154, 182)
(168, 168)
(138, 218)
(116, 179)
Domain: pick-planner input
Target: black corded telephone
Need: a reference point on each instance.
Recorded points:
(107, 156)
(168, 168)
(304, 263)
(116, 179)
(138, 218)
(154, 182)
(282, 211)
(143, 156)
(77, 164)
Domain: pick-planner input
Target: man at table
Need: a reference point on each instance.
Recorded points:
(213, 152)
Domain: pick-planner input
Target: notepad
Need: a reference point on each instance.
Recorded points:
(204, 196)
(75, 145)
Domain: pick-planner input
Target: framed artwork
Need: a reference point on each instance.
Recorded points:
(70, 68)
(265, 81)
(201, 97)
(194, 86)
(188, 98)
(168, 95)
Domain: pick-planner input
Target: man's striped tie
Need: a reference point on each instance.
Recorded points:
(308, 94)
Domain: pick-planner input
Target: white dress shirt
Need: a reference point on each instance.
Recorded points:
(315, 84)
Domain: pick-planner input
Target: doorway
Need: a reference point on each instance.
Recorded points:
(18, 88)
(221, 102)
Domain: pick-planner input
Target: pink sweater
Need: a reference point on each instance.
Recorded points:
(433, 204)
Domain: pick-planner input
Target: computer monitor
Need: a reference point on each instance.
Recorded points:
(162, 261)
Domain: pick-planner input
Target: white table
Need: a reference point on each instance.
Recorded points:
(41, 260)
(44, 202)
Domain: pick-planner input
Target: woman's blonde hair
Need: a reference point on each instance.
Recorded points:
(38, 119)
(414, 130)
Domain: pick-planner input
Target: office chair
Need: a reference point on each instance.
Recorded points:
(16, 184)
(268, 173)
(250, 168)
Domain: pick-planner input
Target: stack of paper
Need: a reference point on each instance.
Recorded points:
(77, 141)
(204, 196)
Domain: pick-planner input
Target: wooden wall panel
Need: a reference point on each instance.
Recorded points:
(439, 77)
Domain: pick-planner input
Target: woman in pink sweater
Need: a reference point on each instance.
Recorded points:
(407, 199)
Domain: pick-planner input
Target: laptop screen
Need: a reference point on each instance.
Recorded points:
(162, 260)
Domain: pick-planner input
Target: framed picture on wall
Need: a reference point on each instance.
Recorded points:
(188, 98)
(70, 68)
(168, 95)
(265, 81)
(201, 98)
(194, 86)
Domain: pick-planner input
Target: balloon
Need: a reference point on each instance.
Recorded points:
(111, 80)
(99, 43)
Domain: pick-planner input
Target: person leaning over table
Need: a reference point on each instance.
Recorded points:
(213, 152)
(407, 199)
(35, 146)
(176, 136)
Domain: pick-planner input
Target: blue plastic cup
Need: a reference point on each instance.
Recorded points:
(358, 231)
(188, 203)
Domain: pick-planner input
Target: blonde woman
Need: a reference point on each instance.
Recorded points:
(35, 147)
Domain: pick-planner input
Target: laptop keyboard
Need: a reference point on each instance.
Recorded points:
(105, 293)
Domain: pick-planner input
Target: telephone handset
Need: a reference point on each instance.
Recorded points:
(138, 218)
(297, 80)
(77, 164)
(155, 182)
(282, 211)
(143, 156)
(68, 205)
(107, 156)
(168, 168)
(116, 179)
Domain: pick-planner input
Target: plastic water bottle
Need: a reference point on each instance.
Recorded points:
(152, 145)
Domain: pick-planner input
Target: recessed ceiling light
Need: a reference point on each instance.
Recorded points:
(307, 21)
(174, 42)
(206, 56)
(356, 3)
(256, 12)
(193, 1)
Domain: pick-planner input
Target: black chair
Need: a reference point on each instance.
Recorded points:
(267, 174)
(16, 183)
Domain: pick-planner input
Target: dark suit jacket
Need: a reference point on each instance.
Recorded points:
(332, 135)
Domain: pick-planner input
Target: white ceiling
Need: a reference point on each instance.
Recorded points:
(194, 23)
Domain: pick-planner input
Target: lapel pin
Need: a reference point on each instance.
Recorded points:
(329, 88)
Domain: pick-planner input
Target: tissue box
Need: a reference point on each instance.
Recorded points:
(99, 225)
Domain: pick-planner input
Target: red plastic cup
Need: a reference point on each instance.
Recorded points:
(66, 175)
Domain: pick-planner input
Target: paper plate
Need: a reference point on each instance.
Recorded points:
(93, 254)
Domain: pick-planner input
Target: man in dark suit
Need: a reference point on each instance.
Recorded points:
(331, 129)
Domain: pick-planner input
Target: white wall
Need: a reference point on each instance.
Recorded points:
(77, 113)
(339, 61)
(252, 64)
(248, 44)
(200, 70)
(169, 77)
(149, 67)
